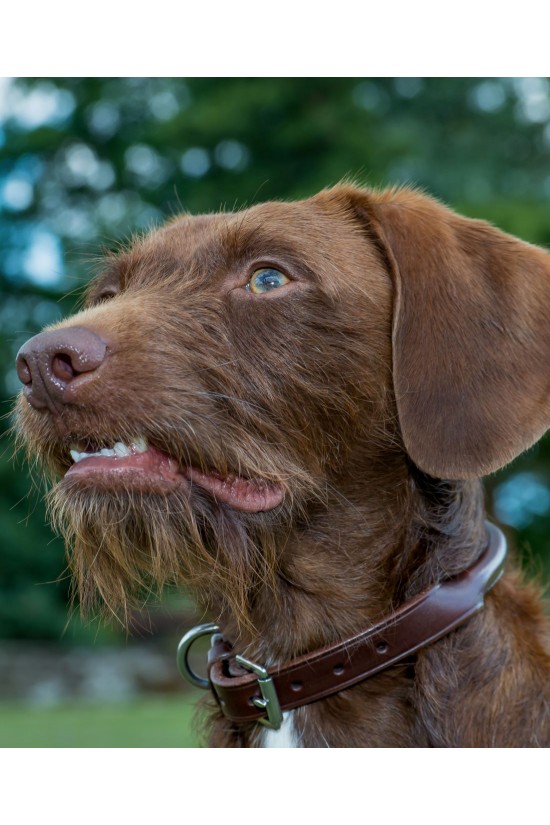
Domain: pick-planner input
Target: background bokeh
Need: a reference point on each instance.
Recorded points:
(86, 162)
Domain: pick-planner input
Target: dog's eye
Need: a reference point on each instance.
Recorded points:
(264, 280)
(104, 295)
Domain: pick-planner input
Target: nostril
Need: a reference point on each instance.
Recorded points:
(62, 368)
(23, 371)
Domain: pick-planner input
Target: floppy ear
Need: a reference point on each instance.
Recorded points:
(471, 334)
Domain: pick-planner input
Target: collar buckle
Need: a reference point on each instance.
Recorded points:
(269, 700)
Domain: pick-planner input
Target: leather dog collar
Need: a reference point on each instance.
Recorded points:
(248, 692)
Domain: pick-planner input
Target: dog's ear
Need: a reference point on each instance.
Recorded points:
(471, 333)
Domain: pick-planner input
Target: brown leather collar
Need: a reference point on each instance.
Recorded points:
(247, 692)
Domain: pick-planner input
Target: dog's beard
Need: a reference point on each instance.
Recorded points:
(125, 545)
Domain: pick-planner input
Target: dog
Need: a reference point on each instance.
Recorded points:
(288, 410)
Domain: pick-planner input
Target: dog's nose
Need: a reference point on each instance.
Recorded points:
(51, 363)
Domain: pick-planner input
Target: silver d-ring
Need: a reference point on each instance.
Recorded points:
(183, 651)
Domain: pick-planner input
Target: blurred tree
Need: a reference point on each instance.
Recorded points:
(84, 162)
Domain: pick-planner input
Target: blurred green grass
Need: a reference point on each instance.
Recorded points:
(165, 722)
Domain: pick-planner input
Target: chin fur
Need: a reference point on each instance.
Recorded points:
(125, 544)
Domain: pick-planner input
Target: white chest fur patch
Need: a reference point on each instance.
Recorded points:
(285, 737)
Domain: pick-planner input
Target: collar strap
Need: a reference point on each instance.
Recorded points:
(248, 692)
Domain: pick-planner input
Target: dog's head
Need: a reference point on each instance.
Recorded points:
(229, 371)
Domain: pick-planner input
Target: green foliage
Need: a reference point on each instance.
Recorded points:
(84, 162)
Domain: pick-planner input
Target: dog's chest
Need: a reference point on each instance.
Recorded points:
(285, 737)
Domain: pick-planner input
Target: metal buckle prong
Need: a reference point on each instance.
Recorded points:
(269, 700)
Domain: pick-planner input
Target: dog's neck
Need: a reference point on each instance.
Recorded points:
(372, 549)
(359, 559)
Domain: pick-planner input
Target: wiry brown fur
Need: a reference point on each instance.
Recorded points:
(409, 356)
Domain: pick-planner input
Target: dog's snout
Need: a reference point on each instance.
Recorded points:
(50, 364)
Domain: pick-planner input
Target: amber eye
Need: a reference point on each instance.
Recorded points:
(265, 280)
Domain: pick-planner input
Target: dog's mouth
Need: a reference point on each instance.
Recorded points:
(140, 465)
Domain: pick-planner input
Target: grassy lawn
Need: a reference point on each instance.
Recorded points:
(164, 722)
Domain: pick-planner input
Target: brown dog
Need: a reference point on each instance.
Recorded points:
(288, 409)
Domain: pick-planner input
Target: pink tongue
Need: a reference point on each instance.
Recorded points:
(240, 493)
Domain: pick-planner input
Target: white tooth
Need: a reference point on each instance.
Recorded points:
(75, 455)
(106, 452)
(121, 449)
(140, 445)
